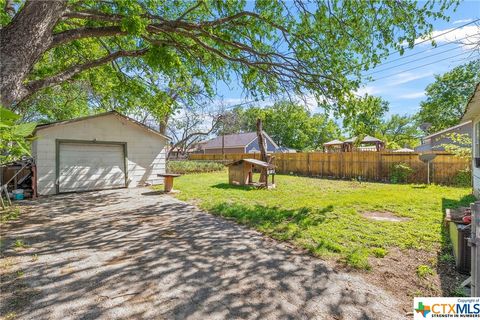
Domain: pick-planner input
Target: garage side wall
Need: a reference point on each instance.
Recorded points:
(145, 150)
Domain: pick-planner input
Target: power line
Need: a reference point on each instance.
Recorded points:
(417, 67)
(413, 61)
(441, 34)
(420, 52)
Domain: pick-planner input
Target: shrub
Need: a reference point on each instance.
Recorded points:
(463, 178)
(400, 172)
(187, 166)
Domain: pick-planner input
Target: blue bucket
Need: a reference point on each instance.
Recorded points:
(18, 194)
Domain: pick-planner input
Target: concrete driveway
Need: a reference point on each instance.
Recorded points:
(135, 254)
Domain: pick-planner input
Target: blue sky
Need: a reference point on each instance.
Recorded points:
(404, 86)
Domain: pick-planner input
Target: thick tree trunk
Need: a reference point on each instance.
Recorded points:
(22, 43)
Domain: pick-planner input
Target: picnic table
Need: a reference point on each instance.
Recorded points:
(168, 181)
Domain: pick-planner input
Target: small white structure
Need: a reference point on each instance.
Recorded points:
(404, 150)
(103, 151)
(472, 113)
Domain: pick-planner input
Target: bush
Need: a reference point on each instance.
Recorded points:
(463, 178)
(400, 172)
(187, 166)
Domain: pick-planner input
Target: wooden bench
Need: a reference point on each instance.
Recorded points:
(168, 181)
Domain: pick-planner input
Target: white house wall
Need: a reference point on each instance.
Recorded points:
(145, 150)
(475, 170)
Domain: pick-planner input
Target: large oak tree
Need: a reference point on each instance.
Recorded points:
(272, 47)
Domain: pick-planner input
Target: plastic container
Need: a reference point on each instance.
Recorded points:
(18, 194)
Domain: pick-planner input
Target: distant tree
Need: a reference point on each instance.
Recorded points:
(399, 132)
(448, 96)
(363, 115)
(191, 125)
(291, 125)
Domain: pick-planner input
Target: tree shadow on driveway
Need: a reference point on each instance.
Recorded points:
(118, 254)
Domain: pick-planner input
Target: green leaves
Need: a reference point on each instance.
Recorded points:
(23, 129)
(134, 25)
(363, 115)
(162, 59)
(15, 138)
(447, 97)
(7, 116)
(289, 125)
(270, 47)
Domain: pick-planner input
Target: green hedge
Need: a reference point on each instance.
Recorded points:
(194, 166)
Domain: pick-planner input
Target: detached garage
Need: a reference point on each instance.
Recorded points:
(103, 151)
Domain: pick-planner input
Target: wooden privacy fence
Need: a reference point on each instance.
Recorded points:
(371, 166)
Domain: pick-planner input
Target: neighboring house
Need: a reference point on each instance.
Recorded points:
(103, 151)
(285, 150)
(434, 141)
(238, 143)
(472, 115)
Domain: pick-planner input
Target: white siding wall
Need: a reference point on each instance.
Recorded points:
(476, 153)
(146, 150)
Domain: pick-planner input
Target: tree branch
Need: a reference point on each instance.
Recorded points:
(190, 10)
(193, 134)
(85, 32)
(74, 70)
(92, 14)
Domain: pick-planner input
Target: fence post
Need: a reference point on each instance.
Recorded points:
(308, 164)
(475, 243)
(379, 166)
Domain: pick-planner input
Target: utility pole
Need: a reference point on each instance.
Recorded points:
(263, 151)
(223, 137)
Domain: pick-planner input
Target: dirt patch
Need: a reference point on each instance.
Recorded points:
(384, 216)
(397, 273)
(15, 291)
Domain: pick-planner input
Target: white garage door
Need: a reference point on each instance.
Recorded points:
(84, 167)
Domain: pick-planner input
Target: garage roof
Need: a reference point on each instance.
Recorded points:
(113, 112)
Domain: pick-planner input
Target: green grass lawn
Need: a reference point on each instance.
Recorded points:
(325, 216)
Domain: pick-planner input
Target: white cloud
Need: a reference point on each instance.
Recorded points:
(467, 36)
(462, 21)
(412, 95)
(370, 90)
(405, 77)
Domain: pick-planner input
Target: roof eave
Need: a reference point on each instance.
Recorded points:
(468, 113)
(113, 112)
